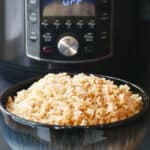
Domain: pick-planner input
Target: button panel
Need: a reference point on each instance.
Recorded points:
(89, 37)
(32, 26)
(68, 24)
(44, 33)
(104, 35)
(45, 24)
(92, 24)
(47, 50)
(56, 24)
(93, 37)
(48, 37)
(33, 36)
(104, 16)
(32, 1)
(80, 24)
(33, 17)
(89, 49)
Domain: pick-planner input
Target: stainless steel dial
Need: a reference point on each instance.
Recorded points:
(68, 46)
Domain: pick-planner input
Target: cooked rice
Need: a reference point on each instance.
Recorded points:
(59, 99)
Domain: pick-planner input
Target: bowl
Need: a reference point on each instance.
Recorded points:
(21, 134)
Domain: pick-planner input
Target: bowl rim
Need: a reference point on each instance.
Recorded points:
(99, 126)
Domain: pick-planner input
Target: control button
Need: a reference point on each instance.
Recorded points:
(68, 46)
(47, 50)
(45, 23)
(80, 24)
(32, 1)
(89, 37)
(68, 24)
(33, 17)
(56, 24)
(104, 16)
(33, 36)
(92, 24)
(104, 35)
(89, 49)
(47, 37)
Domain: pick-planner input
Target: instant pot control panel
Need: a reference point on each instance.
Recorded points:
(68, 31)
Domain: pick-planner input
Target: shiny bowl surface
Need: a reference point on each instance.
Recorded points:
(22, 134)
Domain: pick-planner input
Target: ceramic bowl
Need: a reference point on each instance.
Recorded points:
(21, 134)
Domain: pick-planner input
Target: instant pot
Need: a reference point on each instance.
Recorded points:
(98, 36)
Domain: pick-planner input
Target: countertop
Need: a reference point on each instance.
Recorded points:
(144, 83)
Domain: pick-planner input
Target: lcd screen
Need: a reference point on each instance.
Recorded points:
(68, 8)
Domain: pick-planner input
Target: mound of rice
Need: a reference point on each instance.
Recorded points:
(59, 99)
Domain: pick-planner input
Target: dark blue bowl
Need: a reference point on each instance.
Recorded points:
(22, 134)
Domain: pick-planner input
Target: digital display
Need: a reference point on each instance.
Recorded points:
(68, 8)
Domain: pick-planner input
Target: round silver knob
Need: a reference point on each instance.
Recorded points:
(68, 46)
